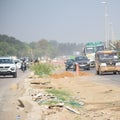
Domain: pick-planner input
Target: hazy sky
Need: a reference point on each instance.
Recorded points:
(62, 20)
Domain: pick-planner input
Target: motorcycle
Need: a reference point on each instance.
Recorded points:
(23, 66)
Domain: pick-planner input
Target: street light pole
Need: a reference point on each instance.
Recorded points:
(106, 23)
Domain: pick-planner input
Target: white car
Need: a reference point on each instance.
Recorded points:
(18, 63)
(8, 67)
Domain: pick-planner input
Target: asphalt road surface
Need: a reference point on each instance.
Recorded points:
(108, 78)
(7, 95)
(5, 81)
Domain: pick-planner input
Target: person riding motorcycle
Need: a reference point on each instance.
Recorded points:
(23, 65)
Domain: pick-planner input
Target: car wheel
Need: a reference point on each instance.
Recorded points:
(97, 72)
(114, 73)
(88, 68)
(15, 75)
(100, 72)
(74, 68)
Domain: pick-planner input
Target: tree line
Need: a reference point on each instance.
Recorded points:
(10, 46)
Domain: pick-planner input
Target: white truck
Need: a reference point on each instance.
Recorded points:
(91, 48)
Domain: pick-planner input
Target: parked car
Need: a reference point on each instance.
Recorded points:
(69, 64)
(8, 67)
(83, 63)
(107, 61)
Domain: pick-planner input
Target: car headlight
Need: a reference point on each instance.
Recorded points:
(12, 68)
(118, 64)
(103, 64)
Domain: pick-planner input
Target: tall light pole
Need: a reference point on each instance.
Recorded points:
(106, 24)
(111, 31)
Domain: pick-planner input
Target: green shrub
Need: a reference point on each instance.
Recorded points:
(42, 69)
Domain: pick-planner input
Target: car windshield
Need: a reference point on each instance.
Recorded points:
(81, 58)
(90, 50)
(70, 60)
(6, 61)
(99, 48)
(108, 56)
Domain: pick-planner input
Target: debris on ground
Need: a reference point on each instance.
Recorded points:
(80, 105)
(40, 83)
(71, 109)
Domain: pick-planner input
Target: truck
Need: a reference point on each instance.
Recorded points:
(91, 48)
(107, 61)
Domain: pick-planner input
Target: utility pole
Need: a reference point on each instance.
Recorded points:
(106, 24)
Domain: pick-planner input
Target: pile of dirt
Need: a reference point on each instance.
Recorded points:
(62, 75)
(70, 74)
(83, 73)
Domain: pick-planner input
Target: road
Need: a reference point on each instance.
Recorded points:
(108, 78)
(7, 95)
(6, 81)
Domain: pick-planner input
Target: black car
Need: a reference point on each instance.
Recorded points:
(83, 63)
(69, 64)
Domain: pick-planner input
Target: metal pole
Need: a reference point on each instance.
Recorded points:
(106, 24)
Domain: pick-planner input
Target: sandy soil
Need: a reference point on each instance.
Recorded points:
(98, 101)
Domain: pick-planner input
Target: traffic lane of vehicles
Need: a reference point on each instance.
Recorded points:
(81, 61)
(74, 66)
(70, 67)
(107, 77)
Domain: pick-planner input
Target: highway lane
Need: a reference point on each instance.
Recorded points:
(8, 97)
(108, 78)
(5, 81)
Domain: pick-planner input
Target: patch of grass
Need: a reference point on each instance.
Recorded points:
(74, 103)
(63, 96)
(42, 69)
(49, 102)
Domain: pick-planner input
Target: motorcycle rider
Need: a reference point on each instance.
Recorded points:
(23, 65)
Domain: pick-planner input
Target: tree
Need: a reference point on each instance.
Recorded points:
(9, 46)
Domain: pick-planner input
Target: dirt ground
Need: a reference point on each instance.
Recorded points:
(97, 101)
